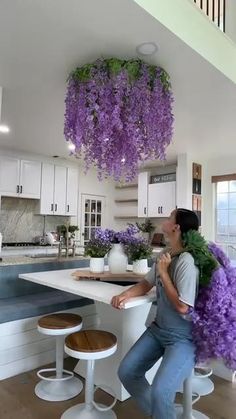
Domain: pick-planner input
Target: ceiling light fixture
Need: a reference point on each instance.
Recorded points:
(71, 147)
(147, 48)
(4, 129)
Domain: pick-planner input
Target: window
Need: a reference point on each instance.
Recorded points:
(226, 216)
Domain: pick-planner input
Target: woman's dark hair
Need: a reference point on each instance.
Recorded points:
(186, 219)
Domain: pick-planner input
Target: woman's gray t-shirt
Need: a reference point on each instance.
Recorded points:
(184, 275)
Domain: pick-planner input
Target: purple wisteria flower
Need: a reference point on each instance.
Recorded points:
(117, 114)
(112, 236)
(214, 315)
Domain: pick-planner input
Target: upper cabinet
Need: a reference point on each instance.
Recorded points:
(161, 199)
(155, 199)
(20, 178)
(71, 191)
(143, 181)
(59, 190)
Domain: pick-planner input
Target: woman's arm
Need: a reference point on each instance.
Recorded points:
(136, 290)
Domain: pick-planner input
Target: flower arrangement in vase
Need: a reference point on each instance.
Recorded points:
(139, 250)
(117, 257)
(97, 248)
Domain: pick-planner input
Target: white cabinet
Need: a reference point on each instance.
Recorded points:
(143, 181)
(161, 199)
(20, 178)
(71, 191)
(59, 190)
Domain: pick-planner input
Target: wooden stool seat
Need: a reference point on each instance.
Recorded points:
(90, 341)
(60, 321)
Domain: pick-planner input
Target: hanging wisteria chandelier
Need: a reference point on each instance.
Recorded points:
(119, 113)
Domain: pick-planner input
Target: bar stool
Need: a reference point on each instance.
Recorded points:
(186, 411)
(201, 383)
(90, 345)
(62, 385)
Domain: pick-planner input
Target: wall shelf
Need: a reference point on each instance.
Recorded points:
(126, 200)
(131, 185)
(123, 217)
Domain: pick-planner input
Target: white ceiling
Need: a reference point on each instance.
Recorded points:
(42, 41)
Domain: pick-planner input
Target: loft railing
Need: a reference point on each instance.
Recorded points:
(215, 10)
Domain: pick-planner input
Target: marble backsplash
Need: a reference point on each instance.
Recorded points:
(19, 221)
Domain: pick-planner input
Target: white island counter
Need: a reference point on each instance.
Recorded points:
(127, 324)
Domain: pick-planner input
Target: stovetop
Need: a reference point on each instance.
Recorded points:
(19, 244)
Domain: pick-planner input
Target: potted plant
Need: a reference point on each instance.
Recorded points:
(146, 228)
(139, 251)
(97, 248)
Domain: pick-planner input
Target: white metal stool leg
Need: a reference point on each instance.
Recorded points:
(201, 382)
(61, 386)
(186, 411)
(88, 410)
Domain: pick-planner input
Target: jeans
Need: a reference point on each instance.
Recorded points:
(157, 400)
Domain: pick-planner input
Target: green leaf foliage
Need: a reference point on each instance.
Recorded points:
(195, 244)
(138, 250)
(114, 66)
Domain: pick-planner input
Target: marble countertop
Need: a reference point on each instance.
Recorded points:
(96, 290)
(25, 260)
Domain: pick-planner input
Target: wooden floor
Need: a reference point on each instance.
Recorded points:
(17, 401)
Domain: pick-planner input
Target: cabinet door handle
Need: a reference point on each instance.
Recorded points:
(68, 208)
(17, 189)
(145, 210)
(158, 210)
(55, 207)
(21, 188)
(51, 207)
(161, 211)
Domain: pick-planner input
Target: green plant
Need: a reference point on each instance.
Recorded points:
(138, 249)
(72, 229)
(146, 227)
(61, 229)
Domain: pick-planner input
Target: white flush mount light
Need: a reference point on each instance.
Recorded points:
(4, 129)
(147, 48)
(71, 147)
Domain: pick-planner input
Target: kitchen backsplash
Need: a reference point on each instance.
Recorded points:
(19, 223)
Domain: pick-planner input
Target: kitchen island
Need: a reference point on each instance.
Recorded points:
(27, 260)
(127, 324)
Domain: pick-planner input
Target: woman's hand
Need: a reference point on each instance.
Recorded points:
(163, 264)
(118, 301)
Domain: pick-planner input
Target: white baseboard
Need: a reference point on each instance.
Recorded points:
(23, 348)
(220, 370)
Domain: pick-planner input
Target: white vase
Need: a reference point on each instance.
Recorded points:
(140, 266)
(96, 265)
(117, 259)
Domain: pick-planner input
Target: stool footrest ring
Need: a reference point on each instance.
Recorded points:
(104, 409)
(41, 372)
